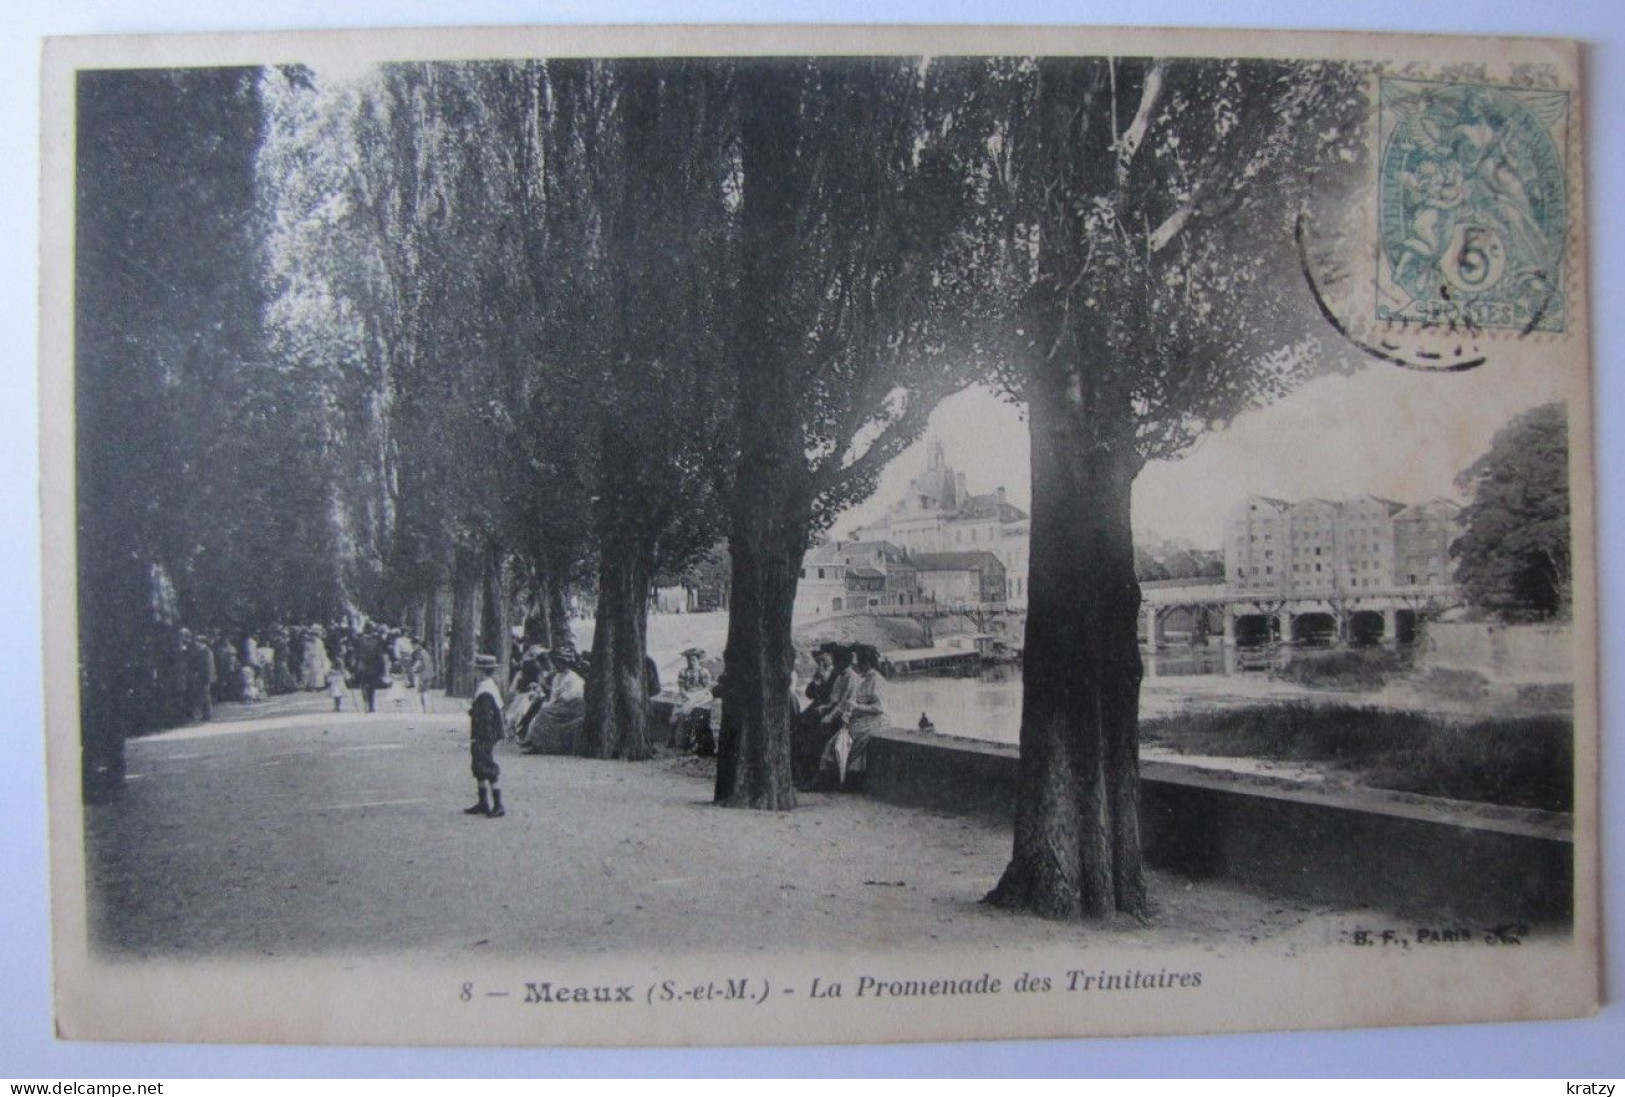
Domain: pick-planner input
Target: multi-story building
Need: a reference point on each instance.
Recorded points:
(938, 514)
(822, 589)
(1367, 535)
(951, 578)
(843, 576)
(1325, 547)
(1422, 536)
(1312, 543)
(1257, 537)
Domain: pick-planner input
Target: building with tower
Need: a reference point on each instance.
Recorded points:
(938, 514)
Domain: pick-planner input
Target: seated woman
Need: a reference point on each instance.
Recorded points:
(809, 734)
(693, 707)
(862, 709)
(554, 728)
(526, 693)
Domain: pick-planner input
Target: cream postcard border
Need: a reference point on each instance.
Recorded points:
(407, 1000)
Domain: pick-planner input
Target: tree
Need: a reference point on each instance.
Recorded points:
(1513, 556)
(166, 336)
(403, 205)
(627, 248)
(857, 255)
(1151, 208)
(456, 328)
(324, 382)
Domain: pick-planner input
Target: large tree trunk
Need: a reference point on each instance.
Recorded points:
(1077, 839)
(458, 674)
(117, 646)
(557, 612)
(495, 638)
(771, 509)
(617, 709)
(766, 547)
(433, 634)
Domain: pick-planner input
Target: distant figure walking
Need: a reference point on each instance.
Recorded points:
(337, 687)
(371, 666)
(484, 732)
(421, 676)
(199, 679)
(314, 658)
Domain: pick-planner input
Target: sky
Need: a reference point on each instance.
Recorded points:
(1385, 430)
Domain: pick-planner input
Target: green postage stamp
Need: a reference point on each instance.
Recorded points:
(1472, 206)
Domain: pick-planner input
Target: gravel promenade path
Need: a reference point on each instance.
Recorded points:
(285, 830)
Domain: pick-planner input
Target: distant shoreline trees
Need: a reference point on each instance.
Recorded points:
(1513, 558)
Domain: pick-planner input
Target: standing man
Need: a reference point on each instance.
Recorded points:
(484, 731)
(199, 681)
(370, 661)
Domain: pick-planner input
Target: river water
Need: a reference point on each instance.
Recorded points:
(989, 706)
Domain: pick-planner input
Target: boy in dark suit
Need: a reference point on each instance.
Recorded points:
(484, 731)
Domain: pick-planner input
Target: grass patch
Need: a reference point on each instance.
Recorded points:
(1366, 668)
(1512, 761)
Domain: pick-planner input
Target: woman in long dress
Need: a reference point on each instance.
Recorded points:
(862, 710)
(809, 734)
(315, 660)
(554, 728)
(693, 701)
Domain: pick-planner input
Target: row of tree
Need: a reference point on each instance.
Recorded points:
(481, 327)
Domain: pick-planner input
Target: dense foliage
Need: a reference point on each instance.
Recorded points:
(1512, 558)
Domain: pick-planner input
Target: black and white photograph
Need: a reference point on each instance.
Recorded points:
(679, 536)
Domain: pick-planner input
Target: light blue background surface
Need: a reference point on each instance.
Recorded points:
(1592, 1048)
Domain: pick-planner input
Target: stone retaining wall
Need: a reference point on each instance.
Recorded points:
(1502, 653)
(1352, 847)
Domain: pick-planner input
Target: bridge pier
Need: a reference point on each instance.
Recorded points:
(1352, 616)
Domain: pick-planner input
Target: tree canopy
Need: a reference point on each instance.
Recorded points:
(1512, 558)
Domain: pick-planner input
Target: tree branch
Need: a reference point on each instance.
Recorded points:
(1133, 137)
(896, 437)
(1170, 228)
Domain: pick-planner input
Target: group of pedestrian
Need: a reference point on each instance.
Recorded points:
(191, 672)
(380, 660)
(846, 706)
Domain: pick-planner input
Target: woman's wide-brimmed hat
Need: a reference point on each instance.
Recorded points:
(694, 653)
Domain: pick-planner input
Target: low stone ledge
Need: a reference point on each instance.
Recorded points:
(1349, 846)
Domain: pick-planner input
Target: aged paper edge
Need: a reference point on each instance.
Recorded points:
(320, 1001)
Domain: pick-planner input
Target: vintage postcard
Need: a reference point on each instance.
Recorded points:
(658, 536)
